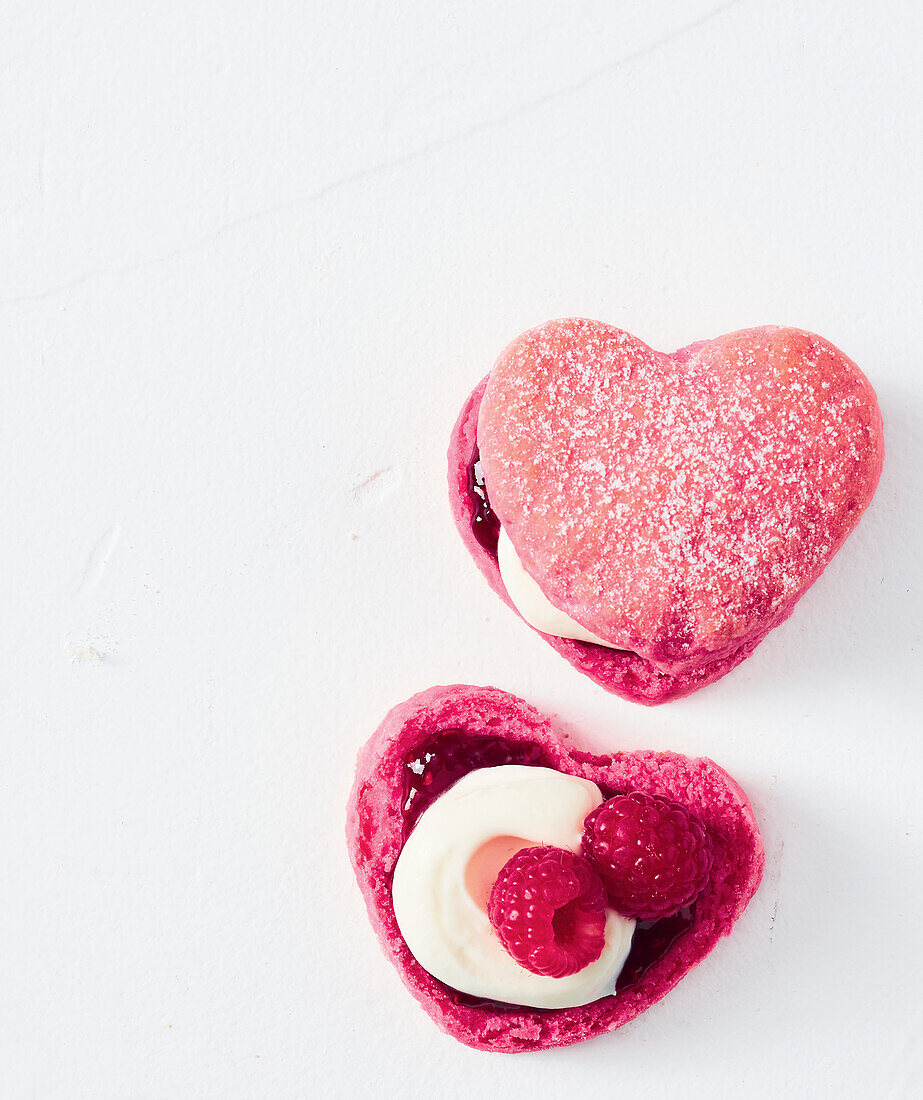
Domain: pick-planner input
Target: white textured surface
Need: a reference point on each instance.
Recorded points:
(253, 258)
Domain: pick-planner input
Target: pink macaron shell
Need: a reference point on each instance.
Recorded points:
(772, 435)
(375, 835)
(619, 671)
(674, 504)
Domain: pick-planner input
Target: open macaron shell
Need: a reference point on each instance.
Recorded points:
(376, 829)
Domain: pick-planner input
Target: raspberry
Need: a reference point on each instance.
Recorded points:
(652, 855)
(548, 906)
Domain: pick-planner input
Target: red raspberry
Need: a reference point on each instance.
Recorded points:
(548, 907)
(653, 856)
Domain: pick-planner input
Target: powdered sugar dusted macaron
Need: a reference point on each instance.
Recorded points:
(532, 895)
(655, 515)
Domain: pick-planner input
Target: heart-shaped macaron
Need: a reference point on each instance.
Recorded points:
(673, 507)
(433, 739)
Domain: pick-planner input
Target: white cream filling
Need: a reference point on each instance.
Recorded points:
(532, 603)
(446, 868)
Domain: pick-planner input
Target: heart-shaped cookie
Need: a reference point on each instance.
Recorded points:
(672, 507)
(431, 741)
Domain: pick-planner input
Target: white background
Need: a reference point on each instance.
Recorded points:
(253, 256)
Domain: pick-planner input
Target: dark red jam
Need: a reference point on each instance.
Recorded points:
(649, 944)
(484, 523)
(451, 754)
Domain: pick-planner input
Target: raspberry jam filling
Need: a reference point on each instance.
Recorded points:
(649, 944)
(451, 754)
(484, 523)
